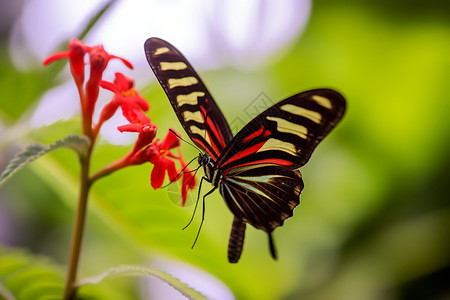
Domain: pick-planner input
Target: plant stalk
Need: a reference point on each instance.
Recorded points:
(78, 229)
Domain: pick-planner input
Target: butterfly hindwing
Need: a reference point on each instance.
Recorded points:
(263, 195)
(196, 110)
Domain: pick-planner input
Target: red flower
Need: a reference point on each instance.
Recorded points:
(75, 53)
(161, 161)
(98, 59)
(147, 133)
(132, 103)
(133, 107)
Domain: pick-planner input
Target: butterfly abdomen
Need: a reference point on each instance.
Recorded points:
(236, 242)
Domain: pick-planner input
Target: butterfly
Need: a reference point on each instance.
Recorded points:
(257, 170)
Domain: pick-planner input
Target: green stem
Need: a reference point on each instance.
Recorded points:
(112, 167)
(78, 229)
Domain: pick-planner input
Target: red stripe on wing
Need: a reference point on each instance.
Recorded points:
(244, 153)
(210, 124)
(250, 150)
(275, 161)
(215, 131)
(203, 146)
(257, 134)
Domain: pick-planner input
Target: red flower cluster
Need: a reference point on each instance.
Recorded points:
(133, 107)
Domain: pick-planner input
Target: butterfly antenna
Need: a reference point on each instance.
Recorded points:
(181, 171)
(176, 134)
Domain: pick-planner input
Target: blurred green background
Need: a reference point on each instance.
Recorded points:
(374, 218)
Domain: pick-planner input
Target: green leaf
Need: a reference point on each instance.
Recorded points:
(133, 270)
(78, 143)
(26, 276)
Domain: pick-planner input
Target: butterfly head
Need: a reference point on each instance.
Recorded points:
(203, 159)
(207, 162)
(209, 167)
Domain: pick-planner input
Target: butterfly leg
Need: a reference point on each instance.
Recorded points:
(196, 202)
(236, 242)
(273, 251)
(203, 214)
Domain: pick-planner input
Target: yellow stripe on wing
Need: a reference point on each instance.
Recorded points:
(289, 127)
(193, 116)
(278, 145)
(303, 112)
(191, 99)
(161, 50)
(179, 65)
(325, 102)
(185, 81)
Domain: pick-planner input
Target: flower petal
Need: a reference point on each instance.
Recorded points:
(146, 136)
(171, 169)
(189, 183)
(110, 86)
(170, 141)
(124, 83)
(130, 128)
(54, 57)
(161, 165)
(108, 111)
(125, 62)
(158, 172)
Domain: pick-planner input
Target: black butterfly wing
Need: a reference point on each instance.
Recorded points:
(263, 195)
(196, 110)
(261, 183)
(287, 132)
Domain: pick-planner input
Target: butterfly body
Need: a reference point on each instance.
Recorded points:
(257, 170)
(212, 174)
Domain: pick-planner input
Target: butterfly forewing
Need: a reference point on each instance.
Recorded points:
(198, 113)
(286, 133)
